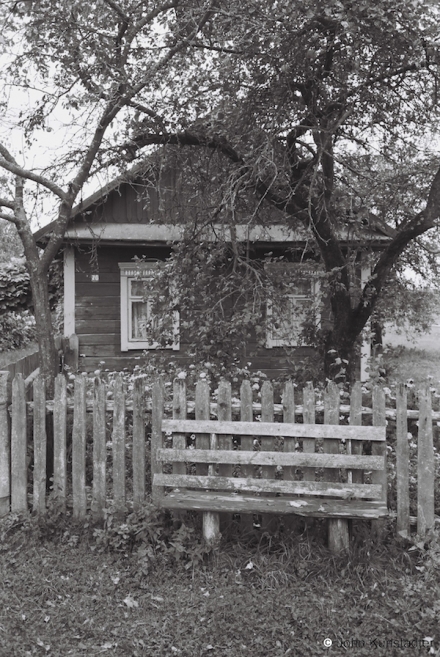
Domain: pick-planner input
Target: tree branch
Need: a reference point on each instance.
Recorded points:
(8, 162)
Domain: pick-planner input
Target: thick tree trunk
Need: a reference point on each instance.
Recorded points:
(45, 333)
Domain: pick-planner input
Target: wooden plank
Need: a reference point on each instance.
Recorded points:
(309, 428)
(278, 429)
(326, 489)
(79, 449)
(308, 507)
(224, 441)
(202, 409)
(18, 447)
(40, 445)
(99, 451)
(156, 437)
(379, 449)
(60, 442)
(402, 462)
(69, 290)
(211, 521)
(267, 444)
(425, 465)
(338, 536)
(5, 443)
(289, 418)
(355, 446)
(179, 413)
(288, 401)
(95, 325)
(118, 447)
(246, 443)
(138, 445)
(297, 459)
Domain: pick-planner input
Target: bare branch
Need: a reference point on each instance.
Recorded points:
(4, 203)
(8, 162)
(8, 217)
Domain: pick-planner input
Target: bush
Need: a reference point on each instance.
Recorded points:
(17, 330)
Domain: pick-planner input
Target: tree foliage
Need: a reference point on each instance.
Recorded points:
(304, 102)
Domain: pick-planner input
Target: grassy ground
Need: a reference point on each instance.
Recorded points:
(65, 591)
(147, 588)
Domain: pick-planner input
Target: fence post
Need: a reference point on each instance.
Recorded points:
(59, 442)
(211, 521)
(138, 445)
(179, 439)
(247, 444)
(338, 538)
(157, 403)
(18, 447)
(40, 444)
(402, 462)
(224, 414)
(5, 443)
(267, 444)
(379, 448)
(425, 465)
(79, 449)
(99, 450)
(118, 442)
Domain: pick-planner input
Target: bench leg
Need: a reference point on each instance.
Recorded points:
(211, 527)
(338, 537)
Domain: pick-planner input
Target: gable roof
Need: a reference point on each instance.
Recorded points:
(369, 228)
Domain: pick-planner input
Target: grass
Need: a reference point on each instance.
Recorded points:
(421, 365)
(63, 592)
(147, 587)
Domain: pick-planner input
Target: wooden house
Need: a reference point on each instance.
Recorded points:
(140, 215)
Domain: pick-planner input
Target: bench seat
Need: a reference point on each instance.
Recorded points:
(251, 503)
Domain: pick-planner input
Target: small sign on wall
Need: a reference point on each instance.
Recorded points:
(95, 278)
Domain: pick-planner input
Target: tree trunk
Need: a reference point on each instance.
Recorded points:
(45, 333)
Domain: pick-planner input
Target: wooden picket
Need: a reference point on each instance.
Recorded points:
(20, 420)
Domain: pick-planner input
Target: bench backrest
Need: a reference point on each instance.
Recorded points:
(272, 465)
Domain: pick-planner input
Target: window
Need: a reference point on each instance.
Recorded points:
(137, 318)
(290, 305)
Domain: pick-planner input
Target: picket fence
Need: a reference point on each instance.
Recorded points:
(93, 419)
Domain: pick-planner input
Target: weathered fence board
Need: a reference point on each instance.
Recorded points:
(79, 450)
(5, 443)
(242, 462)
(402, 462)
(425, 465)
(138, 445)
(60, 441)
(99, 450)
(40, 443)
(118, 448)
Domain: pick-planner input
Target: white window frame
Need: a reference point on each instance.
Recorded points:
(293, 341)
(128, 273)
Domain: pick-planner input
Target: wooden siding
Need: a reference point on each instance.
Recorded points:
(97, 312)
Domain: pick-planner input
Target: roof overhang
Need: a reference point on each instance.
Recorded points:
(166, 233)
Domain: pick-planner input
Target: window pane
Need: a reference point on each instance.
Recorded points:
(288, 316)
(139, 320)
(138, 288)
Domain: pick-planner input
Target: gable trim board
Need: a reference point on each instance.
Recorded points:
(163, 233)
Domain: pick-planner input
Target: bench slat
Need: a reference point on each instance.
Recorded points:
(236, 503)
(338, 432)
(298, 459)
(328, 489)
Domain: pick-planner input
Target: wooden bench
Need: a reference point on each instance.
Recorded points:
(273, 490)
